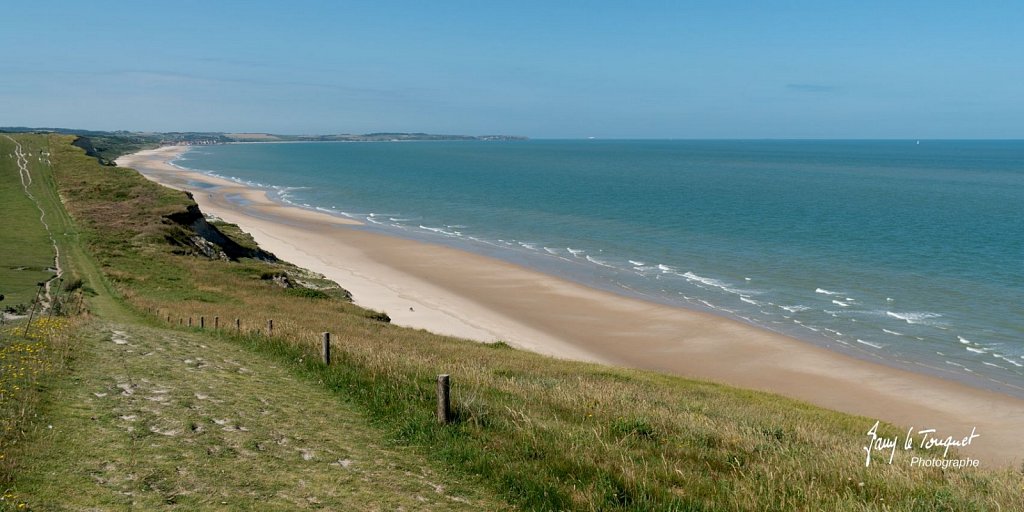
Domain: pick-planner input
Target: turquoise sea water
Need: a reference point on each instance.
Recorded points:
(911, 253)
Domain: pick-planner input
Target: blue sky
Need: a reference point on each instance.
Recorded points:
(542, 69)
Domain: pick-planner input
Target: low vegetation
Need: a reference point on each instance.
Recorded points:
(26, 253)
(31, 355)
(540, 433)
(153, 419)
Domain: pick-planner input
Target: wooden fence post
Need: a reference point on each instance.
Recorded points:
(444, 405)
(190, 321)
(202, 322)
(325, 347)
(32, 312)
(270, 327)
(238, 327)
(216, 323)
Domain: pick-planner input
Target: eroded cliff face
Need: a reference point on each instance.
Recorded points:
(192, 233)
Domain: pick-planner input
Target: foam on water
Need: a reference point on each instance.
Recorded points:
(915, 317)
(441, 231)
(796, 309)
(1011, 361)
(598, 262)
(870, 344)
(703, 280)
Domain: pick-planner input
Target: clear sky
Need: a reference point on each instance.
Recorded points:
(674, 69)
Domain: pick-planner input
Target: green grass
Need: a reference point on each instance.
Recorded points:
(30, 360)
(156, 419)
(236, 235)
(25, 248)
(541, 433)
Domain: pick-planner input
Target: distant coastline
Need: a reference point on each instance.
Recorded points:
(106, 146)
(368, 137)
(200, 138)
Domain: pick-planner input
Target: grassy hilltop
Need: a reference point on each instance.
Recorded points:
(148, 411)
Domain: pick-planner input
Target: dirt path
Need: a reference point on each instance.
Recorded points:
(159, 418)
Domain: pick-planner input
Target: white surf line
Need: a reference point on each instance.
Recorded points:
(26, 181)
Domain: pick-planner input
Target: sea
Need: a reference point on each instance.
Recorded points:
(909, 253)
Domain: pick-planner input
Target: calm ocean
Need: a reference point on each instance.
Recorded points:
(908, 252)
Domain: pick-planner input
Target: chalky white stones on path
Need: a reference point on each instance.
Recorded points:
(170, 413)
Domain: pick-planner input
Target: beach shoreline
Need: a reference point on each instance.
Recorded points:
(453, 292)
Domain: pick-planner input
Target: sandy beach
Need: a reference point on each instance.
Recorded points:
(453, 292)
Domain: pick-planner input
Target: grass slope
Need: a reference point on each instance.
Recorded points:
(25, 248)
(154, 418)
(541, 433)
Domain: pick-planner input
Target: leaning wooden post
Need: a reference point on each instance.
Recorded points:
(270, 327)
(238, 327)
(444, 405)
(202, 322)
(325, 347)
(32, 312)
(190, 321)
(216, 323)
